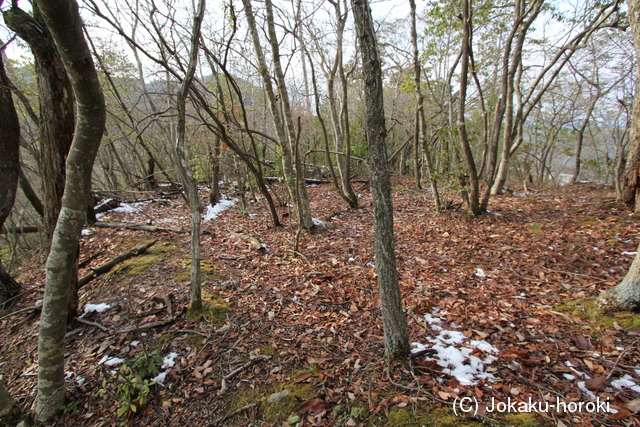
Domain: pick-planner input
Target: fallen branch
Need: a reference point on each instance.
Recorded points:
(147, 326)
(234, 413)
(90, 323)
(250, 363)
(19, 230)
(106, 267)
(22, 310)
(145, 227)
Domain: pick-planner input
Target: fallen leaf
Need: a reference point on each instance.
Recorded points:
(313, 406)
(597, 383)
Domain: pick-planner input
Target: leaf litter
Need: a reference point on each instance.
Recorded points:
(487, 302)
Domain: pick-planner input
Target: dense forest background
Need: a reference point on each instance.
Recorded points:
(548, 90)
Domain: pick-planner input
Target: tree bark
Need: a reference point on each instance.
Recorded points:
(473, 200)
(64, 22)
(420, 124)
(632, 179)
(626, 294)
(188, 180)
(56, 121)
(9, 171)
(396, 337)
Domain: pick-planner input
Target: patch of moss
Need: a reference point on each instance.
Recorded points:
(311, 369)
(536, 228)
(267, 350)
(194, 340)
(281, 410)
(398, 417)
(442, 417)
(523, 419)
(140, 264)
(214, 310)
(207, 270)
(164, 340)
(12, 416)
(600, 320)
(276, 412)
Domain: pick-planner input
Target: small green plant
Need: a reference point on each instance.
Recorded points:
(134, 383)
(69, 407)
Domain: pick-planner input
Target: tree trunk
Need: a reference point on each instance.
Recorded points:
(9, 172)
(626, 294)
(632, 181)
(56, 121)
(188, 180)
(473, 206)
(396, 337)
(420, 124)
(283, 122)
(63, 20)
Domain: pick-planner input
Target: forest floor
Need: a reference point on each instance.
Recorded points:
(500, 311)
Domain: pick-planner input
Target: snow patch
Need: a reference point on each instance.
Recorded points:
(111, 361)
(221, 206)
(168, 362)
(318, 223)
(457, 354)
(626, 382)
(89, 308)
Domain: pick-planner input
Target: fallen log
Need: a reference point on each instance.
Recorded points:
(106, 267)
(19, 230)
(145, 227)
(107, 205)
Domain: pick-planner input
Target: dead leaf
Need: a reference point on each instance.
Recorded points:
(634, 405)
(597, 383)
(581, 342)
(313, 406)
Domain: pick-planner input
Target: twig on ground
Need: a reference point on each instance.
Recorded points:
(234, 413)
(90, 323)
(22, 310)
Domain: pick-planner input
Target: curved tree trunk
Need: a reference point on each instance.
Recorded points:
(56, 121)
(64, 22)
(9, 171)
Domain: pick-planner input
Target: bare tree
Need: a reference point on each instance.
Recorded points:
(281, 113)
(420, 138)
(188, 181)
(396, 337)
